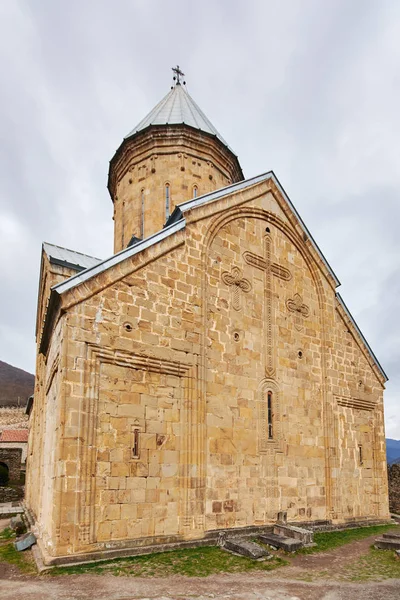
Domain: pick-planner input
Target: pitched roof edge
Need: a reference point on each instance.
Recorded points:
(180, 209)
(65, 257)
(115, 259)
(368, 347)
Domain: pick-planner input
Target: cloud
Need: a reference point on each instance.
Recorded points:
(310, 89)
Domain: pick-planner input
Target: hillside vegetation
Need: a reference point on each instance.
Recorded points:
(16, 385)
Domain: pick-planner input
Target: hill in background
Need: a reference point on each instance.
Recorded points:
(17, 385)
(14, 384)
(392, 451)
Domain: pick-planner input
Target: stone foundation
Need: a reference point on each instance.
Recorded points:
(151, 545)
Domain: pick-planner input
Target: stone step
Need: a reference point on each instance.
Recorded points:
(387, 544)
(291, 531)
(279, 541)
(390, 535)
(246, 548)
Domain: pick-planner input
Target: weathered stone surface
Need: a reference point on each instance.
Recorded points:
(394, 488)
(246, 548)
(392, 535)
(12, 457)
(25, 542)
(10, 494)
(299, 533)
(17, 524)
(278, 541)
(385, 543)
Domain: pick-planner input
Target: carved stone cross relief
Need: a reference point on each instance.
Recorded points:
(264, 263)
(238, 283)
(301, 310)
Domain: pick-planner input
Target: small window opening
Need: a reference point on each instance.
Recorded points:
(195, 190)
(167, 200)
(267, 229)
(142, 214)
(135, 449)
(269, 407)
(360, 454)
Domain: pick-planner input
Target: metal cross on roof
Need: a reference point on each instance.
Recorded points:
(178, 74)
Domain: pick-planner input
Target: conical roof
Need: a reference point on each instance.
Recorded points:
(178, 108)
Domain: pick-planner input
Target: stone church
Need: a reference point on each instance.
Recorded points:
(207, 375)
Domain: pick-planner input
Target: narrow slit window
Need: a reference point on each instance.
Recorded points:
(167, 200)
(270, 415)
(360, 455)
(142, 214)
(135, 449)
(195, 190)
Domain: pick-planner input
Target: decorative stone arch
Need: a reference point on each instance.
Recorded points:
(293, 233)
(259, 213)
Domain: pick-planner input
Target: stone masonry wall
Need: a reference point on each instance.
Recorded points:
(190, 165)
(12, 458)
(167, 366)
(394, 488)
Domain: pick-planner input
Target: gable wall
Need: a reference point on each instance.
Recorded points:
(157, 352)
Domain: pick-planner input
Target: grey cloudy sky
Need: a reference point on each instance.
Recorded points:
(307, 88)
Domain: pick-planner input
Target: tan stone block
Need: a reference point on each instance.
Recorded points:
(119, 530)
(112, 512)
(119, 469)
(128, 511)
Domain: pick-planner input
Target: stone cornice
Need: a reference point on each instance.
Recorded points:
(170, 140)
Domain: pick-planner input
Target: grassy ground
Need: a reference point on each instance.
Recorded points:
(334, 539)
(193, 562)
(377, 565)
(8, 554)
(7, 534)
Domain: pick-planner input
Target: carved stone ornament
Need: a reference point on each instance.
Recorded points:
(301, 310)
(239, 283)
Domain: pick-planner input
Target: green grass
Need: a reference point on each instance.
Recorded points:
(7, 534)
(193, 562)
(8, 554)
(334, 539)
(377, 565)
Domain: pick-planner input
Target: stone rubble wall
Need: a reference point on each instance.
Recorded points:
(13, 417)
(9, 494)
(394, 488)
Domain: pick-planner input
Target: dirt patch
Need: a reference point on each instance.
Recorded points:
(218, 587)
(308, 577)
(332, 562)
